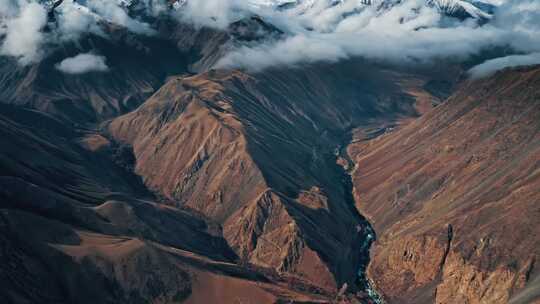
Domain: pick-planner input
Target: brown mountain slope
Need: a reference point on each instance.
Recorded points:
(49, 262)
(76, 226)
(454, 196)
(256, 153)
(278, 226)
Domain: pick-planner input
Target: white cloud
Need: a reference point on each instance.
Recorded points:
(83, 63)
(75, 20)
(212, 13)
(113, 12)
(520, 18)
(8, 8)
(22, 23)
(318, 30)
(408, 31)
(23, 30)
(491, 66)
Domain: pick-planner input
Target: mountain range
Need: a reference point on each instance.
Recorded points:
(455, 8)
(136, 168)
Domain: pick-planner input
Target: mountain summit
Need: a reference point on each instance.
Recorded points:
(461, 9)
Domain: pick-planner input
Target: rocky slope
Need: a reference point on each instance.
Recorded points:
(255, 153)
(166, 181)
(236, 191)
(454, 197)
(76, 219)
(78, 227)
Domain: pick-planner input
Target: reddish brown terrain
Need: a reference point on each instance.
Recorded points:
(236, 189)
(78, 226)
(454, 197)
(254, 154)
(74, 233)
(167, 181)
(222, 181)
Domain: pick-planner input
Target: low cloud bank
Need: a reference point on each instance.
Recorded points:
(83, 63)
(318, 30)
(489, 67)
(408, 31)
(212, 13)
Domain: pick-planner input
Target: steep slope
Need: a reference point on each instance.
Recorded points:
(454, 196)
(77, 220)
(256, 153)
(76, 226)
(227, 186)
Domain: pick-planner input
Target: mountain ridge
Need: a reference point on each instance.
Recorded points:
(162, 179)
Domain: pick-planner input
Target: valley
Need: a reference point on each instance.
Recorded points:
(158, 153)
(273, 224)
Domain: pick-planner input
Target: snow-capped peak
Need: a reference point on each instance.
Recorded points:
(455, 8)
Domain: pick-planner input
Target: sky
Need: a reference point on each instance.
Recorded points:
(315, 31)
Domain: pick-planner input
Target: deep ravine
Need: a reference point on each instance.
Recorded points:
(364, 228)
